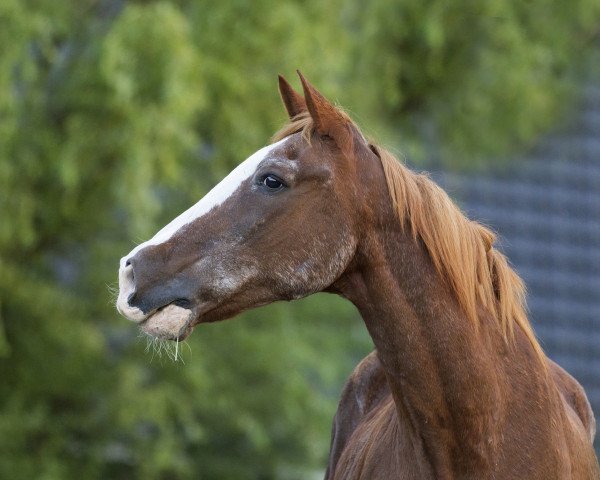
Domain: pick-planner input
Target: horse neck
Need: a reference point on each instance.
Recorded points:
(446, 376)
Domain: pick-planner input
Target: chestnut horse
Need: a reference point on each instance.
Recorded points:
(458, 387)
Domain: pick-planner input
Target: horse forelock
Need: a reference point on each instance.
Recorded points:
(462, 250)
(301, 123)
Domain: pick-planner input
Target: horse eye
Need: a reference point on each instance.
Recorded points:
(272, 182)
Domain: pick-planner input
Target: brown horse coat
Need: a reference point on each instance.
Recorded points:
(460, 388)
(364, 410)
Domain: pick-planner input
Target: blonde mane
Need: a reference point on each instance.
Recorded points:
(461, 249)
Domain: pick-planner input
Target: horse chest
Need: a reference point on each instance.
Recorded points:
(381, 447)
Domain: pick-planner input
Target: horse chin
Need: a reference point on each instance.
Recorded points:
(169, 323)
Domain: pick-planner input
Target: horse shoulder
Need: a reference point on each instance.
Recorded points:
(364, 389)
(574, 396)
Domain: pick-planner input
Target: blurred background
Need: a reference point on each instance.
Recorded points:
(117, 115)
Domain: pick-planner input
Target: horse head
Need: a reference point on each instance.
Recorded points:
(282, 225)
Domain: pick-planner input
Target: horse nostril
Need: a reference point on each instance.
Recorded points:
(129, 269)
(130, 297)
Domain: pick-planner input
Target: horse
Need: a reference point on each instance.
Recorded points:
(458, 386)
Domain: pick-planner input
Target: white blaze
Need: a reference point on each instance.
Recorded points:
(221, 192)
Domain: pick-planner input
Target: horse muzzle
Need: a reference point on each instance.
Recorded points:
(168, 320)
(126, 291)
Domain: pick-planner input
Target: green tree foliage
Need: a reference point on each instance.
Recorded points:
(116, 115)
(472, 78)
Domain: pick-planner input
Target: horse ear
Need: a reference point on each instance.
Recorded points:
(293, 101)
(327, 118)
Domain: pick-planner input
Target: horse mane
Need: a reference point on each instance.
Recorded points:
(462, 250)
